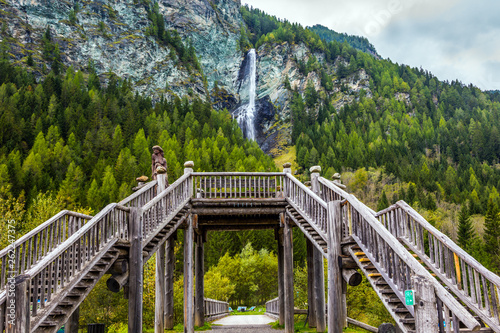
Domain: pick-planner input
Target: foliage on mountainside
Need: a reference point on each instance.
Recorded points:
(264, 28)
(359, 43)
(84, 145)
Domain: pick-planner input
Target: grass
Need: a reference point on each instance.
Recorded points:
(260, 310)
(287, 156)
(180, 328)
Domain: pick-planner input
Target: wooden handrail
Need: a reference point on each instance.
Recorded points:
(69, 242)
(140, 192)
(307, 190)
(473, 283)
(414, 265)
(445, 240)
(166, 191)
(237, 174)
(37, 243)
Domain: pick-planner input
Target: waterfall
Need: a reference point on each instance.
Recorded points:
(246, 113)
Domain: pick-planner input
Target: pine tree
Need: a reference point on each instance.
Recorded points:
(466, 232)
(492, 234)
(383, 203)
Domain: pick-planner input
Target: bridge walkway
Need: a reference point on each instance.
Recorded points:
(59, 263)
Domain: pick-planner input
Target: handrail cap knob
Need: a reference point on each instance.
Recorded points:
(315, 169)
(189, 164)
(287, 165)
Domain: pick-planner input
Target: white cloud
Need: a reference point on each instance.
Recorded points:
(454, 39)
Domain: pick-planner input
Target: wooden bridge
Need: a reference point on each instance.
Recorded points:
(47, 274)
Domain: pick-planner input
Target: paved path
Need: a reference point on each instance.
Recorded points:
(245, 324)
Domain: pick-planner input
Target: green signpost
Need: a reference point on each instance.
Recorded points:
(410, 297)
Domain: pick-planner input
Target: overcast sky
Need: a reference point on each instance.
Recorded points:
(454, 39)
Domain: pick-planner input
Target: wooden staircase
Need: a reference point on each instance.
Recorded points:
(308, 229)
(398, 310)
(74, 296)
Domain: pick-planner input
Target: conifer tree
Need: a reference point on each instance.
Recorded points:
(466, 232)
(492, 234)
(383, 203)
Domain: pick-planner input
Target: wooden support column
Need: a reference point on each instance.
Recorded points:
(160, 272)
(311, 300)
(73, 322)
(169, 281)
(426, 316)
(188, 277)
(281, 276)
(136, 272)
(19, 321)
(199, 314)
(160, 290)
(335, 303)
(319, 277)
(319, 290)
(288, 276)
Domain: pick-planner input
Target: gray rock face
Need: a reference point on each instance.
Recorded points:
(112, 34)
(214, 29)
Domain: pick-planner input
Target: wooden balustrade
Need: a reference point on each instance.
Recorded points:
(215, 309)
(140, 197)
(391, 259)
(237, 185)
(272, 307)
(310, 205)
(49, 277)
(165, 206)
(475, 285)
(36, 244)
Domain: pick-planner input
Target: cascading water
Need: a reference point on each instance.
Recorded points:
(245, 114)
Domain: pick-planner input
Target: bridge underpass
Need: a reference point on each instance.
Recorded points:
(60, 262)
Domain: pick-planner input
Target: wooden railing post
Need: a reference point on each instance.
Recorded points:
(311, 302)
(160, 272)
(319, 277)
(335, 304)
(426, 316)
(188, 277)
(136, 272)
(188, 168)
(199, 315)
(169, 282)
(17, 308)
(288, 276)
(73, 322)
(281, 280)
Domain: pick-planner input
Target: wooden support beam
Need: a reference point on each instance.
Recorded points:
(19, 322)
(160, 290)
(311, 303)
(335, 302)
(352, 277)
(426, 315)
(199, 314)
(188, 277)
(136, 272)
(160, 272)
(319, 290)
(72, 324)
(281, 277)
(169, 281)
(288, 276)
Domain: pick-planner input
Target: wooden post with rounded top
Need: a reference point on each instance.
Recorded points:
(160, 271)
(318, 266)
